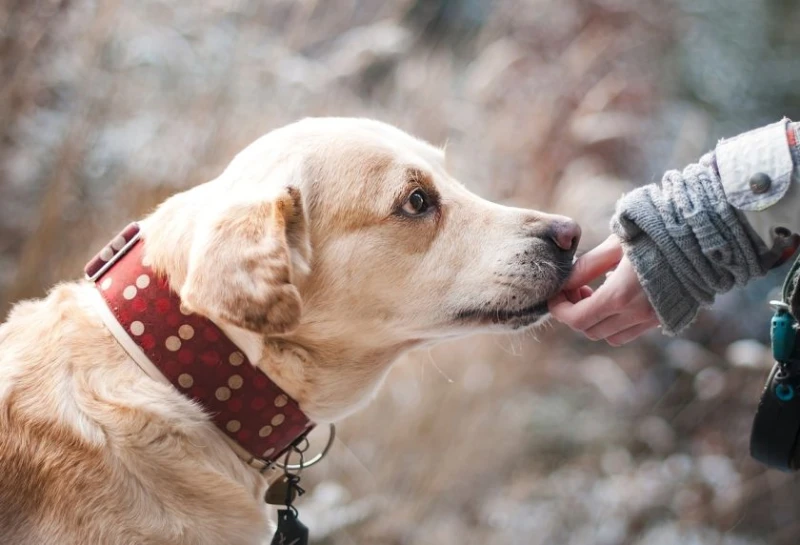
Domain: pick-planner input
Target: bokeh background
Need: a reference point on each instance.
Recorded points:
(106, 107)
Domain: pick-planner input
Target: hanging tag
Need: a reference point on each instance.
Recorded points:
(290, 530)
(284, 491)
(279, 491)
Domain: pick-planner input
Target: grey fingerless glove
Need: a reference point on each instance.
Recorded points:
(686, 242)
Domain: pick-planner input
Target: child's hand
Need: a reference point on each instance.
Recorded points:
(618, 312)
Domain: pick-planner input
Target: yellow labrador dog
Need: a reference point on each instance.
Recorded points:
(325, 249)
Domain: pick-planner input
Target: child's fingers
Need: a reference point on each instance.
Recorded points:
(595, 263)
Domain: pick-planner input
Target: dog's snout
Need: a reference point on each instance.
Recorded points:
(566, 234)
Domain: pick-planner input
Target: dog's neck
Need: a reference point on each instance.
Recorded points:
(309, 363)
(329, 380)
(203, 361)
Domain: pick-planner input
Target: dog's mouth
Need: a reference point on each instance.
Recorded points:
(515, 318)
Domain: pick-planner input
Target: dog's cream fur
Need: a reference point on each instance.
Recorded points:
(301, 252)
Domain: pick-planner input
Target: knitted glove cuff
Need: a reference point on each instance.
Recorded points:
(686, 242)
(675, 306)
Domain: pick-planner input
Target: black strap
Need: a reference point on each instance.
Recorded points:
(791, 289)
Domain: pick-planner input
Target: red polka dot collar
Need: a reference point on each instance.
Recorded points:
(193, 354)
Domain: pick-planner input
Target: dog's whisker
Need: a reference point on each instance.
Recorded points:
(502, 346)
(435, 366)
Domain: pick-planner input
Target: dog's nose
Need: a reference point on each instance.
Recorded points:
(566, 234)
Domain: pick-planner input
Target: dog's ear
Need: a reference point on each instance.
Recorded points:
(243, 261)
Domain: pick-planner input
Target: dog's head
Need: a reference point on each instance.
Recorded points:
(342, 242)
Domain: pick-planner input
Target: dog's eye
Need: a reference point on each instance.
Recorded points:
(417, 203)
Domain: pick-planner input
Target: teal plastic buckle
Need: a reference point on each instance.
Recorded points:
(783, 332)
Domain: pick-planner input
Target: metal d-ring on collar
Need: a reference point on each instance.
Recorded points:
(286, 466)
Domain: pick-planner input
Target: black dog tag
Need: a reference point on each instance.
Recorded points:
(290, 530)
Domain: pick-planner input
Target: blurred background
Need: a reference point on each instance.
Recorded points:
(108, 107)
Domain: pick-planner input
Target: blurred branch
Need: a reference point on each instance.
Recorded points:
(84, 119)
(25, 24)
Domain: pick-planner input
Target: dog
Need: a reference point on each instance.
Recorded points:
(324, 250)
